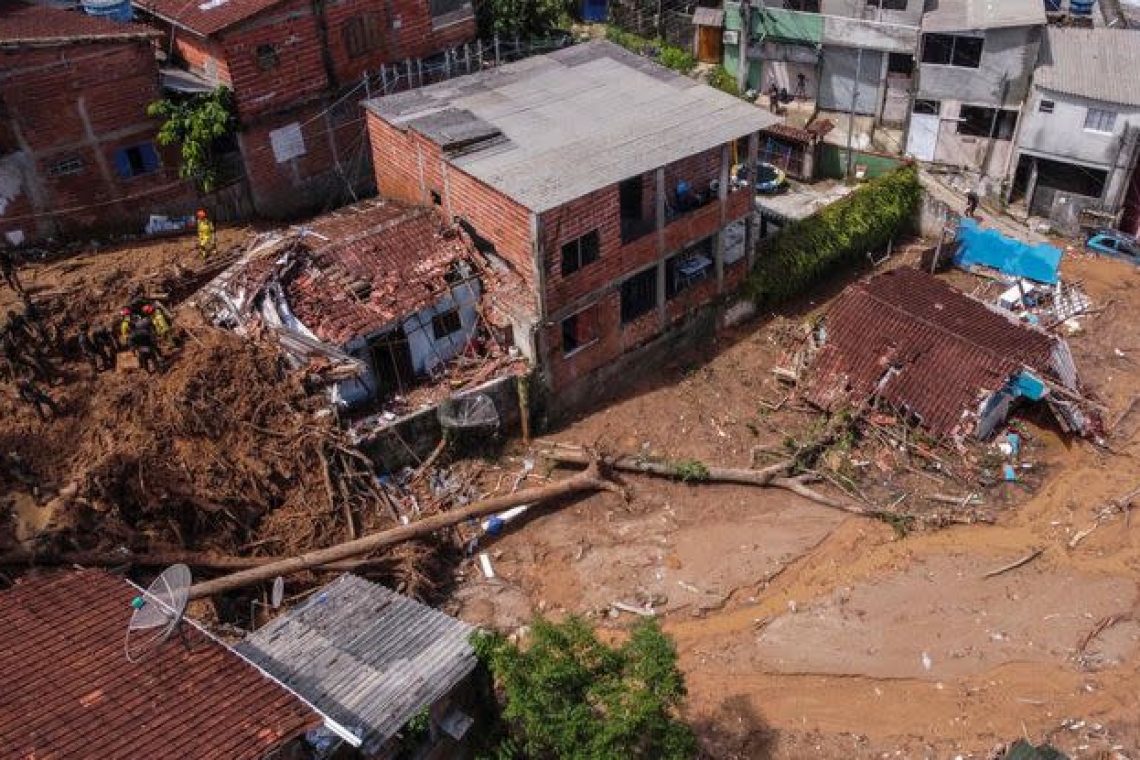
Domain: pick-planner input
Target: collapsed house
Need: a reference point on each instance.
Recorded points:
(386, 293)
(907, 341)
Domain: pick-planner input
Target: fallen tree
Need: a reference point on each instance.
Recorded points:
(773, 476)
(590, 480)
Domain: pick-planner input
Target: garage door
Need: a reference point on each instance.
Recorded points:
(837, 78)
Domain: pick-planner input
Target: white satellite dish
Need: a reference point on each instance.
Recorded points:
(277, 593)
(158, 611)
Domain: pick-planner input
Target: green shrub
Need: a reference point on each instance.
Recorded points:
(841, 234)
(675, 58)
(667, 55)
(723, 81)
(568, 695)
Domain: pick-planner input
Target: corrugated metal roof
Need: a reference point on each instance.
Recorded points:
(968, 15)
(919, 344)
(68, 691)
(364, 655)
(23, 23)
(708, 17)
(1101, 64)
(577, 120)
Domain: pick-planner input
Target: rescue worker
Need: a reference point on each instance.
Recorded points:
(105, 346)
(141, 340)
(207, 240)
(21, 327)
(124, 327)
(16, 354)
(8, 269)
(97, 348)
(31, 394)
(161, 321)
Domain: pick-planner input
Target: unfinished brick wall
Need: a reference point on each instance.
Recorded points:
(310, 182)
(69, 109)
(697, 170)
(205, 57)
(299, 75)
(418, 35)
(409, 167)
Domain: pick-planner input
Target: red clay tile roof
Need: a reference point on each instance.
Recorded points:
(788, 132)
(382, 261)
(950, 350)
(26, 24)
(68, 691)
(205, 16)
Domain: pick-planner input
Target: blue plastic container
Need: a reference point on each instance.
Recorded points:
(1081, 7)
(595, 10)
(112, 10)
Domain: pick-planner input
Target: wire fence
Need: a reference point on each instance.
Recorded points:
(466, 59)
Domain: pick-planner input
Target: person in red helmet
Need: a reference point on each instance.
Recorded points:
(207, 240)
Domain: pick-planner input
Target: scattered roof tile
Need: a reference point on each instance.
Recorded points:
(23, 23)
(69, 691)
(368, 657)
(205, 17)
(922, 346)
(369, 265)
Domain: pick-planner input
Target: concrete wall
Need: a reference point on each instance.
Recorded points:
(990, 157)
(410, 439)
(1061, 135)
(1008, 58)
(870, 10)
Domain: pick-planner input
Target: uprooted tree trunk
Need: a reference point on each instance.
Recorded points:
(590, 480)
(159, 558)
(772, 476)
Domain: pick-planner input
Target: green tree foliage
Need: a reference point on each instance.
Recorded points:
(567, 695)
(195, 123)
(667, 55)
(525, 18)
(839, 235)
(723, 81)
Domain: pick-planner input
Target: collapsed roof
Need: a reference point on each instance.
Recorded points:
(906, 339)
(358, 271)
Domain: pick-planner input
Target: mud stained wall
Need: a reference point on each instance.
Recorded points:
(597, 387)
(409, 440)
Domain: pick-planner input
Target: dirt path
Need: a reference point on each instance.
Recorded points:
(808, 634)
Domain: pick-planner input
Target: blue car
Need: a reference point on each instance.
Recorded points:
(1114, 243)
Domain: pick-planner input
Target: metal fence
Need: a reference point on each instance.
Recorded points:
(458, 61)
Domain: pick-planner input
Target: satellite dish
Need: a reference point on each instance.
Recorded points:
(277, 594)
(158, 611)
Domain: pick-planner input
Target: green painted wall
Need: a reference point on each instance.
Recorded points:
(790, 26)
(833, 162)
(732, 21)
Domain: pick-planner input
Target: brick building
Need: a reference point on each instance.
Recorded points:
(602, 179)
(77, 150)
(296, 69)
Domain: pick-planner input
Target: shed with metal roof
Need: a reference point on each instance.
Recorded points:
(368, 657)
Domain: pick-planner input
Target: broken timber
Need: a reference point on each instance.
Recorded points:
(588, 481)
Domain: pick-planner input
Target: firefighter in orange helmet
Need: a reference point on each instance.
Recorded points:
(207, 240)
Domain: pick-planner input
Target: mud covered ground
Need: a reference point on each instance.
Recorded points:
(805, 632)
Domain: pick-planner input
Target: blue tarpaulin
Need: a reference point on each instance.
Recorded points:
(990, 248)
